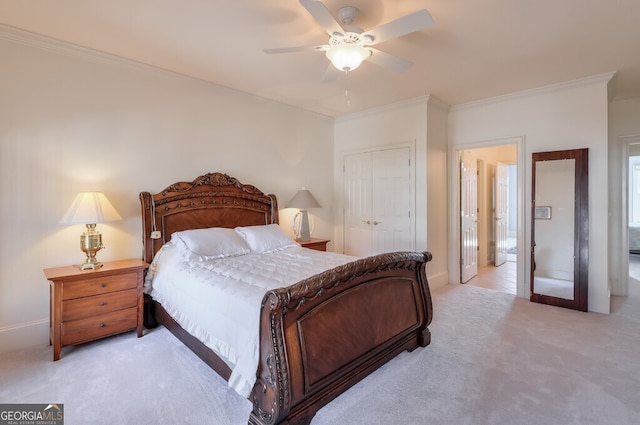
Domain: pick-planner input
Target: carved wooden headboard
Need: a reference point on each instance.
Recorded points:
(211, 200)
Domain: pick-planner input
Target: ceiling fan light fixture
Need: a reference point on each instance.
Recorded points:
(347, 56)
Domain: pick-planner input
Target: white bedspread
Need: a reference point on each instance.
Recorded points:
(218, 301)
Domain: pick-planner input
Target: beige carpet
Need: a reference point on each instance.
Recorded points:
(494, 359)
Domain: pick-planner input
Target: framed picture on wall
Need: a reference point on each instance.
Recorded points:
(543, 213)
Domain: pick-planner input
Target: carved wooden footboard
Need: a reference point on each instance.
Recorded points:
(324, 334)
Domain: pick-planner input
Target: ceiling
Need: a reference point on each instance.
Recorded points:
(476, 49)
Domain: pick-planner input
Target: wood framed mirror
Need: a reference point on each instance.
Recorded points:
(560, 228)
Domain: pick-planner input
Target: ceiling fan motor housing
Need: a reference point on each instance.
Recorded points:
(348, 14)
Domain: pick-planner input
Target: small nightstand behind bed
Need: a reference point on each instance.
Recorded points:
(315, 243)
(90, 304)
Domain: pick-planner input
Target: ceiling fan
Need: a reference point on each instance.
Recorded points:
(349, 45)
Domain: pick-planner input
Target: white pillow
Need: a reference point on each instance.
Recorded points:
(265, 239)
(214, 242)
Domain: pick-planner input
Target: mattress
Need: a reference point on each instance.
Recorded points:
(218, 300)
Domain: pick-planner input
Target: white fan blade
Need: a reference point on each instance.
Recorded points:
(402, 26)
(322, 48)
(389, 61)
(320, 13)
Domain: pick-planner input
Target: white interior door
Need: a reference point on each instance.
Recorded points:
(468, 217)
(358, 204)
(377, 199)
(391, 214)
(501, 213)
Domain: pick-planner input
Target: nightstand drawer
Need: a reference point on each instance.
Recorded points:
(98, 304)
(99, 285)
(91, 328)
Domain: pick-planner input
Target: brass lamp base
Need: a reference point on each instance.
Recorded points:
(90, 244)
(90, 266)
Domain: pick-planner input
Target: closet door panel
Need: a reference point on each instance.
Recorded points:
(357, 199)
(391, 224)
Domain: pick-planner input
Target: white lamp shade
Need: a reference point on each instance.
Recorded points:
(90, 208)
(347, 56)
(303, 199)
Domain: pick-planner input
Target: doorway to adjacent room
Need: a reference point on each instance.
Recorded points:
(488, 217)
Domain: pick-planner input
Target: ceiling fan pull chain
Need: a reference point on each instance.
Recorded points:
(346, 90)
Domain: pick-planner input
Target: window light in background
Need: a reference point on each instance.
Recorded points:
(90, 208)
(303, 199)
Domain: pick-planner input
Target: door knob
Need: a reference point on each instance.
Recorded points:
(366, 221)
(375, 223)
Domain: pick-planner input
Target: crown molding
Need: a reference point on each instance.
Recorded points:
(54, 45)
(27, 38)
(438, 103)
(595, 79)
(420, 100)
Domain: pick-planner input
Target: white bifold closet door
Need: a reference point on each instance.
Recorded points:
(377, 202)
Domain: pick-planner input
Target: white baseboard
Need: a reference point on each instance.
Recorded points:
(438, 280)
(24, 335)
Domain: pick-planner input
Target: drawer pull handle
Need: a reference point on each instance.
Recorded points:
(102, 325)
(102, 304)
(103, 285)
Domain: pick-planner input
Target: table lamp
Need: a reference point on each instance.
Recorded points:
(90, 208)
(303, 199)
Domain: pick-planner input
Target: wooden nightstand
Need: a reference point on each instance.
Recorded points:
(315, 243)
(92, 304)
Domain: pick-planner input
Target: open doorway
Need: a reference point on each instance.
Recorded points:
(634, 200)
(633, 218)
(626, 294)
(489, 211)
(624, 266)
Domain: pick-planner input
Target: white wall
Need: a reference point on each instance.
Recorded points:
(437, 196)
(563, 116)
(409, 122)
(74, 120)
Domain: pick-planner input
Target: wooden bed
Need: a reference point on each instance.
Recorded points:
(317, 337)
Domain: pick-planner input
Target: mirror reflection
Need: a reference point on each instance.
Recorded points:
(554, 215)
